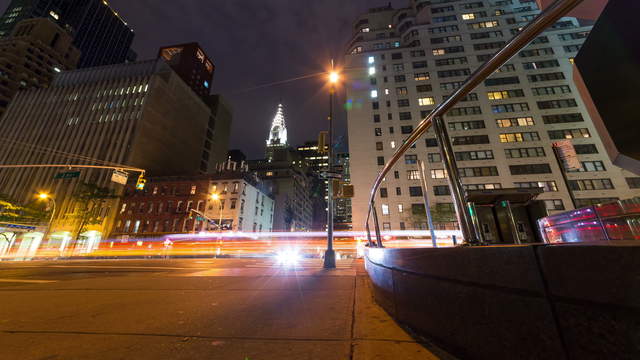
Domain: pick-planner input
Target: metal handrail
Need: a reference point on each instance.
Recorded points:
(546, 18)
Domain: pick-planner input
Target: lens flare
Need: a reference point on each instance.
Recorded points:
(288, 257)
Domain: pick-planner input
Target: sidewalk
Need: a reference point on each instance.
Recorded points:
(178, 310)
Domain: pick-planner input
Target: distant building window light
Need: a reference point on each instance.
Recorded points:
(372, 70)
(56, 69)
(54, 15)
(206, 84)
(371, 59)
(365, 30)
(374, 93)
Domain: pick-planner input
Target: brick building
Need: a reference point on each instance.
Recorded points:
(165, 205)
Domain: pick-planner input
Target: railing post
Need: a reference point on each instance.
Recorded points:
(457, 191)
(427, 205)
(376, 225)
(368, 233)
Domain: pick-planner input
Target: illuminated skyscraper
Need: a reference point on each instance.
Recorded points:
(277, 134)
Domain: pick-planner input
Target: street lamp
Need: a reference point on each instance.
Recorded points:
(216, 197)
(329, 254)
(45, 196)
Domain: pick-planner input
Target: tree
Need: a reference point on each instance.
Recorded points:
(443, 213)
(88, 199)
(31, 213)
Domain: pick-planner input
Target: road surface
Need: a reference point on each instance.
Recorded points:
(246, 309)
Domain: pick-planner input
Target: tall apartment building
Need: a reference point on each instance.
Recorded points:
(413, 58)
(99, 32)
(139, 114)
(35, 51)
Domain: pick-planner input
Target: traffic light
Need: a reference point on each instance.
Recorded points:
(141, 182)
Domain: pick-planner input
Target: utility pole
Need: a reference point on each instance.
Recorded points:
(329, 254)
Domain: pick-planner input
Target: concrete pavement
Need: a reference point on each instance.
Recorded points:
(196, 309)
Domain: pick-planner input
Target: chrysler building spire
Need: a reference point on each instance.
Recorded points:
(278, 132)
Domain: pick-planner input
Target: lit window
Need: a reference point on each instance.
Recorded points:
(393, 144)
(365, 30)
(206, 84)
(269, 173)
(438, 174)
(386, 91)
(372, 70)
(426, 101)
(400, 208)
(385, 209)
(54, 15)
(470, 16)
(371, 59)
(374, 93)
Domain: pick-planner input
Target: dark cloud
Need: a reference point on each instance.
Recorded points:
(256, 42)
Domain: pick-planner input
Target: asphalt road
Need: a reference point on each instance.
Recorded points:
(246, 309)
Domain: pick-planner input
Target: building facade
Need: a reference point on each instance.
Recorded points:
(102, 36)
(192, 64)
(502, 133)
(165, 205)
(286, 178)
(138, 114)
(342, 217)
(33, 53)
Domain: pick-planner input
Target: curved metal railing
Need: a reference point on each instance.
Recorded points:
(546, 18)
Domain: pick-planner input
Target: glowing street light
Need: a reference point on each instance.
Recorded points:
(216, 197)
(334, 77)
(45, 196)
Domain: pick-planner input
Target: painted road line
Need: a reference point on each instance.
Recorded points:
(27, 281)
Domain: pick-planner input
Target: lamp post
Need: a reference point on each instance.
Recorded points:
(216, 197)
(329, 254)
(45, 196)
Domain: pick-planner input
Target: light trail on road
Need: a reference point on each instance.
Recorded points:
(348, 244)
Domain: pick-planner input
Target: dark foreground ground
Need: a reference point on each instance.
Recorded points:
(245, 309)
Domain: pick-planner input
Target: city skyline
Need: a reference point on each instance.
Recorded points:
(289, 56)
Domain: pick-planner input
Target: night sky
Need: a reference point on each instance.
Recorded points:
(254, 43)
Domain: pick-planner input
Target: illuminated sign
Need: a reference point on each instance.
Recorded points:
(200, 56)
(170, 53)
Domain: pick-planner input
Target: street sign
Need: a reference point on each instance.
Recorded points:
(67, 175)
(119, 177)
(567, 153)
